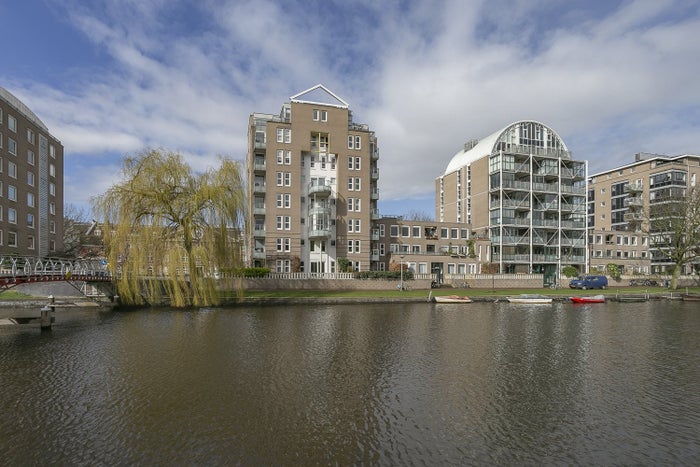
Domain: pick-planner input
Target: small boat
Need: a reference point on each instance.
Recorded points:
(530, 299)
(452, 299)
(632, 298)
(691, 297)
(589, 299)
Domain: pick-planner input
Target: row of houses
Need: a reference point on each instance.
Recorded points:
(516, 201)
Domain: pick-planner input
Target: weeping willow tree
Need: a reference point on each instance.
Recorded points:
(167, 230)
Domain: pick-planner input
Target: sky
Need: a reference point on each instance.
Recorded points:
(111, 78)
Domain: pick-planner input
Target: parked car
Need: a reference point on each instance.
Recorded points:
(589, 282)
(644, 282)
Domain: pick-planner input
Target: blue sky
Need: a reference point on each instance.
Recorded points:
(111, 77)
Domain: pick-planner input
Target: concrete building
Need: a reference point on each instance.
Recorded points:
(618, 205)
(312, 187)
(520, 188)
(31, 182)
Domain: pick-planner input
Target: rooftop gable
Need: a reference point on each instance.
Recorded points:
(319, 94)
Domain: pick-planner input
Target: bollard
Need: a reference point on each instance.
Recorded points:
(47, 313)
(46, 317)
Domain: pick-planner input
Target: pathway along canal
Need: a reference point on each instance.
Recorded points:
(483, 383)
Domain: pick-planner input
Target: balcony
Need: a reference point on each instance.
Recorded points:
(633, 217)
(259, 167)
(374, 236)
(374, 173)
(259, 188)
(318, 234)
(259, 210)
(259, 253)
(374, 214)
(374, 194)
(320, 210)
(635, 201)
(634, 188)
(319, 190)
(259, 231)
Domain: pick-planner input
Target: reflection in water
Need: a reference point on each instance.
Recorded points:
(375, 384)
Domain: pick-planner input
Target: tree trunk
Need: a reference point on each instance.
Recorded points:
(675, 275)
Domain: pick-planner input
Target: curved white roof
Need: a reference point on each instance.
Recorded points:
(19, 105)
(487, 146)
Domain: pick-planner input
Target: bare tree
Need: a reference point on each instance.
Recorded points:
(673, 226)
(75, 220)
(415, 215)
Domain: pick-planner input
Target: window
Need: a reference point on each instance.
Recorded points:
(30, 220)
(12, 239)
(287, 135)
(288, 157)
(324, 116)
(52, 226)
(280, 178)
(52, 245)
(52, 208)
(280, 135)
(52, 188)
(357, 183)
(12, 123)
(284, 244)
(405, 231)
(351, 142)
(11, 193)
(30, 178)
(357, 163)
(11, 146)
(287, 179)
(358, 142)
(52, 151)
(12, 215)
(12, 169)
(416, 232)
(454, 233)
(287, 223)
(315, 115)
(443, 232)
(280, 156)
(30, 156)
(350, 163)
(52, 170)
(357, 225)
(351, 204)
(30, 199)
(394, 231)
(30, 136)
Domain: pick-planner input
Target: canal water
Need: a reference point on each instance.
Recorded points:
(374, 384)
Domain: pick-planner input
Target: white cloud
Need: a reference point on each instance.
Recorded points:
(426, 76)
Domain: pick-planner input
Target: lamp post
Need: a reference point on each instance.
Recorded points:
(401, 282)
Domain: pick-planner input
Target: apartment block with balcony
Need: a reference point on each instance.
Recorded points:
(31, 183)
(620, 201)
(312, 178)
(521, 188)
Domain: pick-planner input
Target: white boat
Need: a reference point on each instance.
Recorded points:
(530, 298)
(452, 299)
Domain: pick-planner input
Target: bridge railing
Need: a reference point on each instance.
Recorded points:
(22, 266)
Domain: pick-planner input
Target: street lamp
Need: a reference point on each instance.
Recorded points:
(401, 283)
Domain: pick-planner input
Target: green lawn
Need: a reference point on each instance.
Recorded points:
(420, 293)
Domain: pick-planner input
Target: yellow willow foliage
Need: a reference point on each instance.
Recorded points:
(167, 229)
